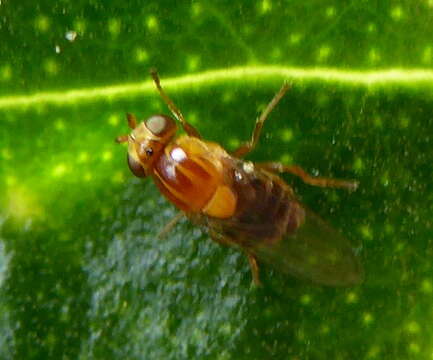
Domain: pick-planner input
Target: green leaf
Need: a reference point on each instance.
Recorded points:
(82, 272)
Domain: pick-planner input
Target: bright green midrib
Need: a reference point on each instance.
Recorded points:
(399, 77)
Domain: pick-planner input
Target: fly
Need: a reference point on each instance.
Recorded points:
(241, 203)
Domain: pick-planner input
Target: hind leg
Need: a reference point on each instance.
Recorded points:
(277, 167)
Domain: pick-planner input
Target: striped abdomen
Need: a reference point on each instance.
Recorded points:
(266, 208)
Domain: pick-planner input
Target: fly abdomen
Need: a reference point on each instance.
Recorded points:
(266, 209)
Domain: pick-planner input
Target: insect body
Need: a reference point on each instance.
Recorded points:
(240, 203)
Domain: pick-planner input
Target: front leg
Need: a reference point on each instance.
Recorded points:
(189, 129)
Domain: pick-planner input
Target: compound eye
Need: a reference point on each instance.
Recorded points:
(136, 167)
(160, 125)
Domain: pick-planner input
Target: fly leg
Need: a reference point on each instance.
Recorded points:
(250, 145)
(169, 226)
(224, 241)
(277, 167)
(254, 266)
(189, 129)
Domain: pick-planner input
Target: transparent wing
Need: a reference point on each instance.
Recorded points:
(316, 252)
(266, 225)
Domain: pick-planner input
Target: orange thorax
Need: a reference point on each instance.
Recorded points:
(190, 174)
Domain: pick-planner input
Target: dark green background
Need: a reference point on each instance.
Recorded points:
(82, 274)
